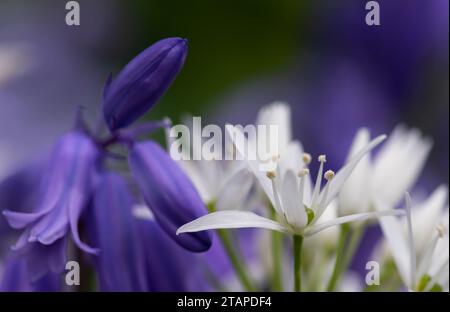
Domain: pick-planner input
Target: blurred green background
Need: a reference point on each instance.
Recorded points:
(230, 42)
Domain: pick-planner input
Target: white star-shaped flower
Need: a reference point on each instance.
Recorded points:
(421, 251)
(298, 204)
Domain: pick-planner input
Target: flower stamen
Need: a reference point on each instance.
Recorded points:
(302, 173)
(441, 230)
(306, 158)
(322, 159)
(329, 175)
(272, 175)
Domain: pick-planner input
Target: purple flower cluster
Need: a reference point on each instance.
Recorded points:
(79, 204)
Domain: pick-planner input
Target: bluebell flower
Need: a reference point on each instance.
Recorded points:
(65, 188)
(120, 263)
(168, 192)
(74, 185)
(142, 82)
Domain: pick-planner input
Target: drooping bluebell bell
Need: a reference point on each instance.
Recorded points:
(168, 192)
(64, 191)
(74, 184)
(17, 191)
(112, 227)
(168, 266)
(142, 82)
(130, 262)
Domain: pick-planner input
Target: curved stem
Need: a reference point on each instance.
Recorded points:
(349, 239)
(235, 261)
(353, 244)
(297, 244)
(339, 262)
(240, 270)
(277, 240)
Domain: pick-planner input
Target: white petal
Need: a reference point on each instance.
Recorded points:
(392, 175)
(351, 218)
(195, 174)
(441, 254)
(343, 174)
(279, 114)
(427, 257)
(296, 214)
(328, 236)
(427, 215)
(393, 232)
(441, 276)
(233, 194)
(230, 220)
(354, 195)
(411, 246)
(245, 147)
(230, 168)
(291, 159)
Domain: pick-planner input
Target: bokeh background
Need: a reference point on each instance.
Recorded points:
(337, 73)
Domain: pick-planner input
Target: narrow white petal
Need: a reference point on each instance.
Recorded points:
(343, 174)
(307, 191)
(322, 206)
(402, 144)
(233, 194)
(278, 114)
(354, 195)
(442, 272)
(294, 209)
(193, 170)
(425, 261)
(412, 248)
(316, 191)
(393, 232)
(351, 218)
(229, 220)
(291, 159)
(245, 148)
(230, 168)
(440, 255)
(430, 210)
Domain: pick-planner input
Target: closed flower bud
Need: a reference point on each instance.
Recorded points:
(142, 82)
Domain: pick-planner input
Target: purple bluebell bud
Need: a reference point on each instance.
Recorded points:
(65, 188)
(113, 228)
(168, 192)
(142, 82)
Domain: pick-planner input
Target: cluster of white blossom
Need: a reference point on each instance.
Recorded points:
(369, 188)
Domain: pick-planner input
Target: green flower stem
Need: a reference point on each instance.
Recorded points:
(235, 261)
(354, 242)
(297, 242)
(339, 262)
(240, 270)
(277, 254)
(348, 242)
